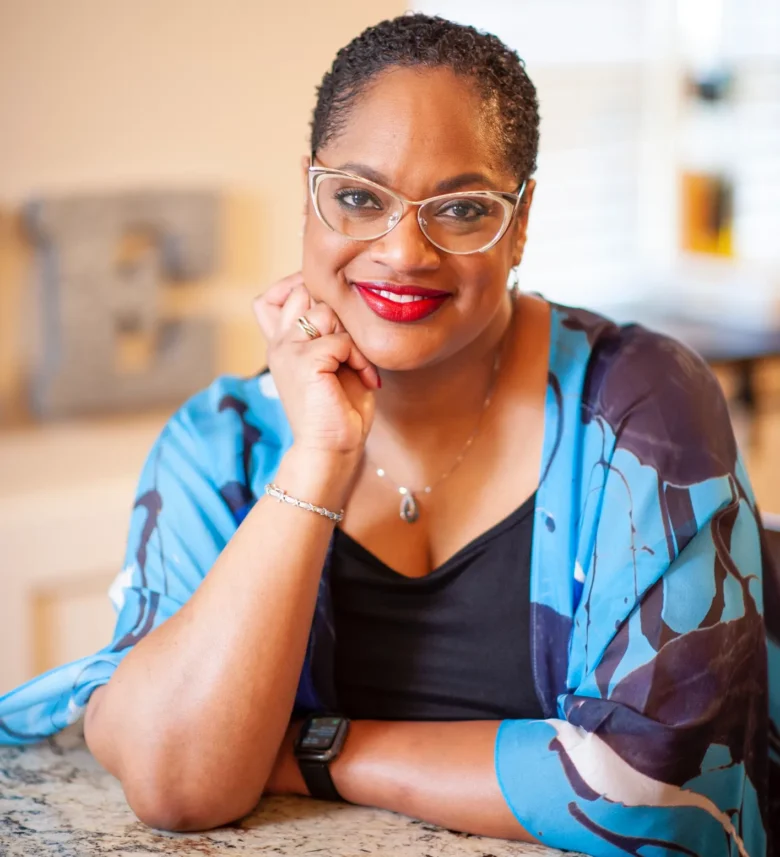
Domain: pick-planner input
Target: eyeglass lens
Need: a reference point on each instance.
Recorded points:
(462, 224)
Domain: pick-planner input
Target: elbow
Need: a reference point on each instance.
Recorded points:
(167, 794)
(163, 814)
(168, 789)
(167, 811)
(174, 810)
(173, 816)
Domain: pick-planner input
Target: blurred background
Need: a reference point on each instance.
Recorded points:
(150, 186)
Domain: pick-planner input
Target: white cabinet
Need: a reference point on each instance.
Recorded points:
(66, 494)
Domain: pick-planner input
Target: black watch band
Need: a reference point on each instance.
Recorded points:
(319, 742)
(318, 780)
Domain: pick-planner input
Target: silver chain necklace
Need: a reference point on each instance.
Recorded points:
(409, 509)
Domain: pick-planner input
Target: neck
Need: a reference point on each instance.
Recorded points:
(431, 402)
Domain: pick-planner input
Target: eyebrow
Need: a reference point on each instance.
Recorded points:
(444, 186)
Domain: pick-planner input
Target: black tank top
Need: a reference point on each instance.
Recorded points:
(453, 645)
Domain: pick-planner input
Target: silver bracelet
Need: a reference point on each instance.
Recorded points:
(282, 496)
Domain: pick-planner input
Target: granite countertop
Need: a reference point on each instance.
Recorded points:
(56, 800)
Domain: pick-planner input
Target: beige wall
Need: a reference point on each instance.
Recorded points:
(99, 94)
(111, 94)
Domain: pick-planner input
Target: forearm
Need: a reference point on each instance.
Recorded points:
(438, 772)
(443, 773)
(198, 708)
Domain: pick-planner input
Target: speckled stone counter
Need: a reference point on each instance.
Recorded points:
(56, 800)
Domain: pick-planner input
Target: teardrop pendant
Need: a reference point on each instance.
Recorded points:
(409, 510)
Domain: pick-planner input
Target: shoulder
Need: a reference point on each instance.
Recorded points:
(228, 435)
(652, 393)
(229, 405)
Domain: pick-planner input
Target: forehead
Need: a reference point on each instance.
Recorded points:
(418, 127)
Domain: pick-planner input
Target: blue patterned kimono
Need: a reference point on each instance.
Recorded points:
(657, 671)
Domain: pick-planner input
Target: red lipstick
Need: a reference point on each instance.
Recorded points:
(426, 301)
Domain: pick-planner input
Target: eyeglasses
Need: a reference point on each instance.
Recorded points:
(459, 223)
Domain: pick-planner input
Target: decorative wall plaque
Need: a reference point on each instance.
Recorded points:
(102, 263)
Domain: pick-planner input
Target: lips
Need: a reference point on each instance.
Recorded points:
(417, 302)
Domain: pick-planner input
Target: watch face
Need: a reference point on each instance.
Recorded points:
(321, 733)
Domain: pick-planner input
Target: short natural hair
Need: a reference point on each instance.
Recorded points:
(432, 42)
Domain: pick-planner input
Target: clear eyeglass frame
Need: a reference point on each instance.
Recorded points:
(510, 202)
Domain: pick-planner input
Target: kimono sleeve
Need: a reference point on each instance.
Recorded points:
(179, 525)
(658, 743)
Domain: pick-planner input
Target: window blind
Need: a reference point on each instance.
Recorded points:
(588, 62)
(615, 126)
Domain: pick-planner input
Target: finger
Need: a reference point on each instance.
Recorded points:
(267, 306)
(339, 348)
(337, 326)
(322, 317)
(278, 293)
(298, 303)
(330, 323)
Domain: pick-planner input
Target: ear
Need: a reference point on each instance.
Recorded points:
(305, 164)
(522, 222)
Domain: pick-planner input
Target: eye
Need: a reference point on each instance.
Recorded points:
(358, 199)
(463, 210)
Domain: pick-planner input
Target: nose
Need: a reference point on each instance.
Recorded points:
(405, 247)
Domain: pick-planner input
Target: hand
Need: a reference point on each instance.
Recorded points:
(326, 384)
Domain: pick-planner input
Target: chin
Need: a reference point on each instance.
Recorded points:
(400, 351)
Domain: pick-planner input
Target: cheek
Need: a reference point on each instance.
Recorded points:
(325, 255)
(481, 280)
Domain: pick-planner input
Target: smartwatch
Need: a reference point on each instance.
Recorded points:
(318, 743)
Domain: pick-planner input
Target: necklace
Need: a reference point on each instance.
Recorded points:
(409, 509)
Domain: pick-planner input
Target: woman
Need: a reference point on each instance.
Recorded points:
(541, 609)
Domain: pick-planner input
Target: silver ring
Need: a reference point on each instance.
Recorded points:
(308, 328)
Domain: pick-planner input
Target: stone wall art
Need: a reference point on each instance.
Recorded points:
(102, 262)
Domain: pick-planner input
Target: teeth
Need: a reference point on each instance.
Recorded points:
(399, 299)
